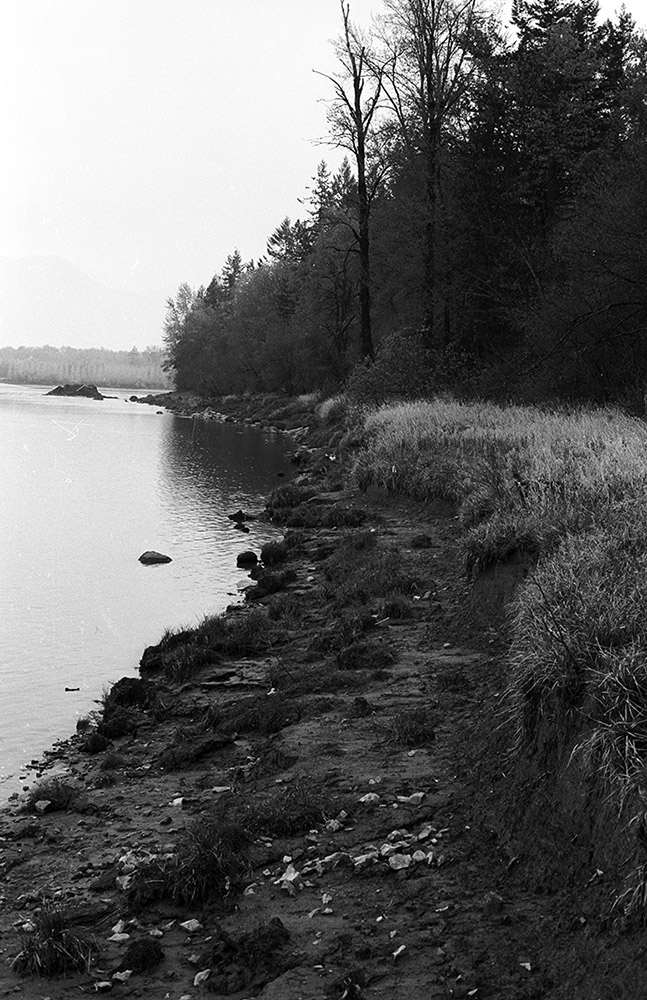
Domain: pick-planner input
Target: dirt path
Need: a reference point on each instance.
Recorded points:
(376, 788)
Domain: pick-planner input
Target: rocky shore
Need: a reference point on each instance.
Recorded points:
(303, 798)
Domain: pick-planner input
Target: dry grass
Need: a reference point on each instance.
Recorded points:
(570, 490)
(521, 477)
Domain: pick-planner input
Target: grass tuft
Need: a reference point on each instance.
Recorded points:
(60, 794)
(209, 863)
(291, 810)
(413, 727)
(52, 948)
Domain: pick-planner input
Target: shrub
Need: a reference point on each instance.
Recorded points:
(52, 948)
(404, 369)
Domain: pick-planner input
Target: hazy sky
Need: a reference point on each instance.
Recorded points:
(143, 140)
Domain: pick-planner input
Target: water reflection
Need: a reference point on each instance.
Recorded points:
(76, 510)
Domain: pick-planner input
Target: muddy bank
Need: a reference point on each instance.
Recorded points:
(307, 798)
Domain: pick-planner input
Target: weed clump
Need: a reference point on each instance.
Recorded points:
(59, 793)
(263, 714)
(50, 947)
(293, 809)
(413, 727)
(209, 863)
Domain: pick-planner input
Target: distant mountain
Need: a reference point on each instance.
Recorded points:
(46, 300)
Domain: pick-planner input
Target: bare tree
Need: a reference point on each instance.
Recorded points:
(426, 82)
(353, 117)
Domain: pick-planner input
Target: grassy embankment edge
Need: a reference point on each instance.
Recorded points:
(567, 492)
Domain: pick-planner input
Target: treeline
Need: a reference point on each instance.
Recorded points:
(44, 365)
(486, 230)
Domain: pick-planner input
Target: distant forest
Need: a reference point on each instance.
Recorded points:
(44, 365)
(486, 231)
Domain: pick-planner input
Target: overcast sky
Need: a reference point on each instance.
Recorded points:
(143, 140)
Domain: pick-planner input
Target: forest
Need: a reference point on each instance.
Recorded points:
(47, 365)
(483, 234)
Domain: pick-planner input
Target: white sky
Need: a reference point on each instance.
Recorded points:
(143, 140)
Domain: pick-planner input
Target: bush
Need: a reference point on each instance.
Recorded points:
(274, 553)
(404, 369)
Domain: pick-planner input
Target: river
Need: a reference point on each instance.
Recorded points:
(86, 487)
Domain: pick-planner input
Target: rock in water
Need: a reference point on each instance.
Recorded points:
(247, 558)
(150, 556)
(77, 389)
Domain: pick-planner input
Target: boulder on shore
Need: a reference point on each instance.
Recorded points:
(247, 558)
(77, 389)
(150, 557)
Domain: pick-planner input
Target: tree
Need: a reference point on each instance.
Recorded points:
(427, 80)
(353, 118)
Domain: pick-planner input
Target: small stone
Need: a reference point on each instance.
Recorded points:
(42, 805)
(124, 976)
(370, 799)
(201, 977)
(411, 800)
(399, 861)
(191, 926)
(419, 856)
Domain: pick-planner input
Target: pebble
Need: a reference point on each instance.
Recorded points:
(191, 926)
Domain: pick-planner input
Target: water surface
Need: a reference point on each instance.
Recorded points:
(86, 487)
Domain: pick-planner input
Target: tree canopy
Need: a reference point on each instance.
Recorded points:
(489, 211)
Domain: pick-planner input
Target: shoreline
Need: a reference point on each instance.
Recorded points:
(344, 720)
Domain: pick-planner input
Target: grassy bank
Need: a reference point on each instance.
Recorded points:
(567, 490)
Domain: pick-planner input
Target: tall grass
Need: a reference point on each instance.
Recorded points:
(521, 477)
(570, 488)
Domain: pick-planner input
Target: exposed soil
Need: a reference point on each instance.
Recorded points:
(360, 759)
